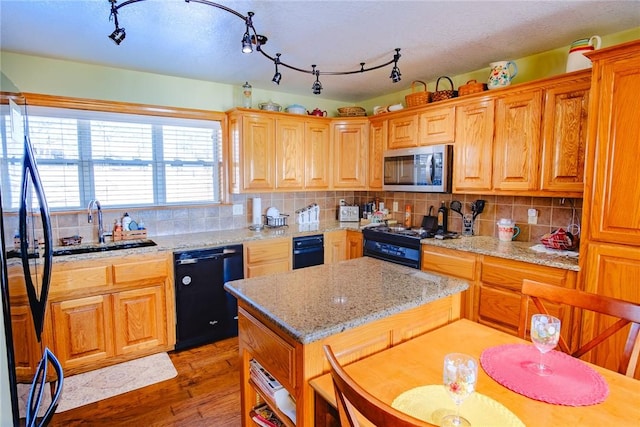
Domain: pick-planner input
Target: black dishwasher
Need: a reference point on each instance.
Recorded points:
(205, 312)
(308, 251)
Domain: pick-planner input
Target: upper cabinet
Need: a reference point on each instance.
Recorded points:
(278, 152)
(473, 154)
(252, 139)
(525, 140)
(614, 147)
(403, 131)
(517, 141)
(350, 148)
(564, 136)
(437, 126)
(377, 145)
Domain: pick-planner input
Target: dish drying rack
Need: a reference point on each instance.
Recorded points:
(275, 221)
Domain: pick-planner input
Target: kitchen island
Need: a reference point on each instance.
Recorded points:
(359, 307)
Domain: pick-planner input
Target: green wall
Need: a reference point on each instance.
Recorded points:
(65, 78)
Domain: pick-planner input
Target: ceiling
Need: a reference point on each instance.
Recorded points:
(197, 41)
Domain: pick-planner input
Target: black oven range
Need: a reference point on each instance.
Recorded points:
(397, 244)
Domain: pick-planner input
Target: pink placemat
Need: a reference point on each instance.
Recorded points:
(572, 383)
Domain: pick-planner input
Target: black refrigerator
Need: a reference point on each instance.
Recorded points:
(35, 386)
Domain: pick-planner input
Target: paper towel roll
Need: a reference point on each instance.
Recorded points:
(257, 211)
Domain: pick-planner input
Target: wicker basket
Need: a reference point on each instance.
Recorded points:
(417, 98)
(472, 86)
(440, 95)
(70, 241)
(351, 111)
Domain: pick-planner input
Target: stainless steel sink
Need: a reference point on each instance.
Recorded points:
(111, 246)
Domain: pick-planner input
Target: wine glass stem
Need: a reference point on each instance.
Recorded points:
(457, 419)
(541, 365)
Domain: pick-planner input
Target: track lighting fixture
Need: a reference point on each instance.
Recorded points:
(246, 39)
(251, 37)
(118, 34)
(317, 86)
(277, 76)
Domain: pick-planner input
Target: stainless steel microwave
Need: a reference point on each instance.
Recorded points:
(420, 169)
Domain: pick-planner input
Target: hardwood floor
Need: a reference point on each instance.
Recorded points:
(206, 392)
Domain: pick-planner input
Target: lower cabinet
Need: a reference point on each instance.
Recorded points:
(495, 287)
(83, 331)
(335, 246)
(354, 244)
(138, 319)
(25, 351)
(499, 292)
(269, 256)
(102, 311)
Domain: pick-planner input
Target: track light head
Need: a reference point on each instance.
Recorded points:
(118, 35)
(317, 86)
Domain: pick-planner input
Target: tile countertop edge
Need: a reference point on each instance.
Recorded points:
(259, 302)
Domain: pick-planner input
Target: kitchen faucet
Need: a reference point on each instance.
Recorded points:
(96, 203)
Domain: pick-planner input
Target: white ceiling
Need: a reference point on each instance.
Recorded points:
(197, 41)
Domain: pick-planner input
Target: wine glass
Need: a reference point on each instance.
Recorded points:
(459, 376)
(545, 333)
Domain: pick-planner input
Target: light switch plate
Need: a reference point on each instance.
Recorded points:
(237, 209)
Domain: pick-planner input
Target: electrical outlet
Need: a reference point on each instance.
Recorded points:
(395, 206)
(238, 209)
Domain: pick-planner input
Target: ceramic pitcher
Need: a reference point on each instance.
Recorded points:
(501, 74)
(576, 60)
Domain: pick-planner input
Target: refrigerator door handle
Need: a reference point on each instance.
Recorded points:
(37, 300)
(37, 391)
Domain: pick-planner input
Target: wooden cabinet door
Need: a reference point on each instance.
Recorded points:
(350, 147)
(377, 145)
(473, 150)
(83, 330)
(317, 153)
(266, 257)
(498, 298)
(139, 319)
(437, 126)
(335, 246)
(517, 142)
(258, 152)
(615, 212)
(565, 137)
(403, 131)
(289, 142)
(354, 244)
(612, 270)
(26, 353)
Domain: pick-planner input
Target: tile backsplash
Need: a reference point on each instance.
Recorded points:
(552, 213)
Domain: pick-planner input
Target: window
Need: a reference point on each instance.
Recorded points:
(120, 159)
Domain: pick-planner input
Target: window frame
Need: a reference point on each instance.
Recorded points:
(41, 100)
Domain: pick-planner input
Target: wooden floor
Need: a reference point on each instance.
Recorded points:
(206, 392)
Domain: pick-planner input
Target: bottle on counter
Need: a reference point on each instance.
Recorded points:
(117, 226)
(126, 221)
(407, 216)
(443, 214)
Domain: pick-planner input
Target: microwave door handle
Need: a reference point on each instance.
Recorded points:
(430, 169)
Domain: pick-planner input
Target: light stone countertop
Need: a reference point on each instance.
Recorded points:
(519, 251)
(313, 303)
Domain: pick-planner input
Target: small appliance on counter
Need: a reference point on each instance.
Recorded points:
(348, 213)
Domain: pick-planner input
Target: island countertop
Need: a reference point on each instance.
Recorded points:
(313, 303)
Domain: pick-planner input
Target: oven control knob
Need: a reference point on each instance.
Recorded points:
(186, 280)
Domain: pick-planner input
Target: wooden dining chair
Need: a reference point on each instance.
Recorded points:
(350, 397)
(626, 312)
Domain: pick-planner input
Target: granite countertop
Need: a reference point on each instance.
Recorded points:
(519, 251)
(313, 303)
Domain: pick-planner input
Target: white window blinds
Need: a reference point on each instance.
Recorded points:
(122, 159)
